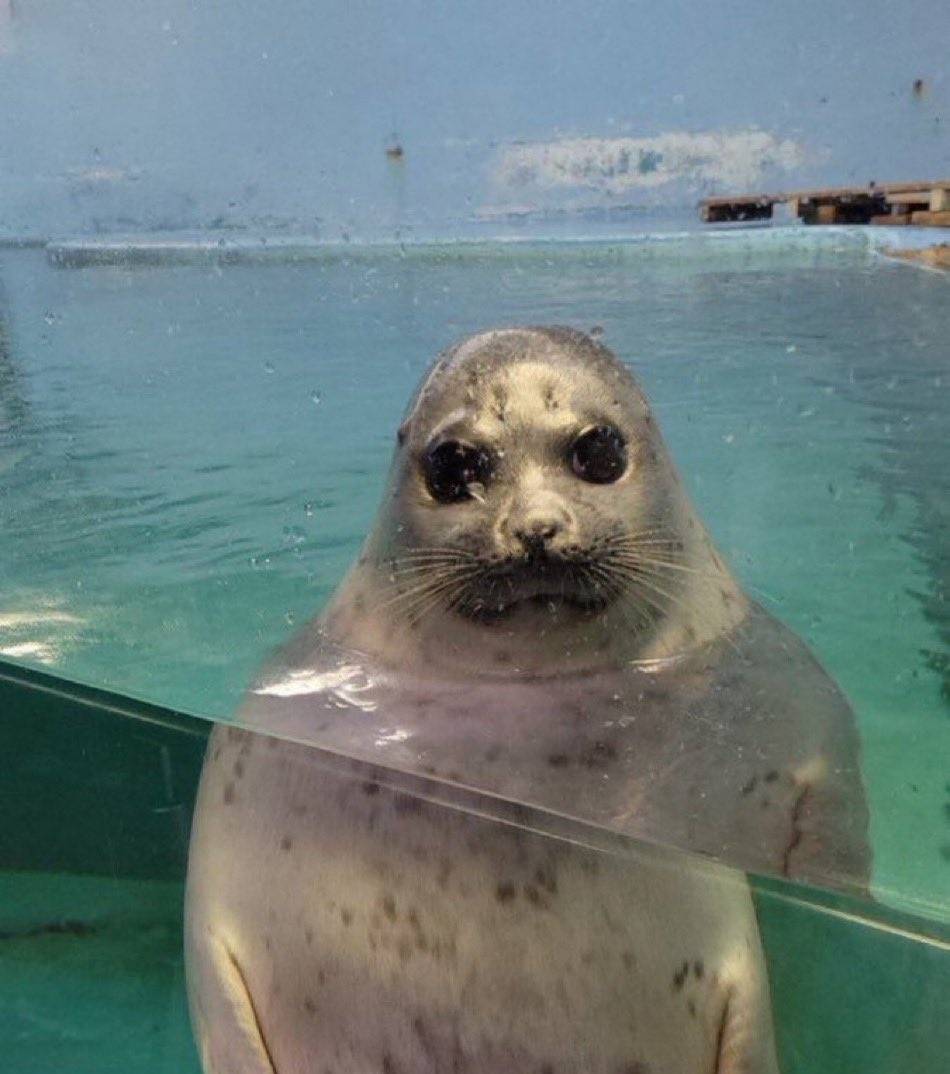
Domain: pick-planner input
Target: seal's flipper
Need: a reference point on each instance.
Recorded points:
(746, 1043)
(828, 841)
(230, 1040)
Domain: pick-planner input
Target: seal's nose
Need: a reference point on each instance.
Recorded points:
(537, 531)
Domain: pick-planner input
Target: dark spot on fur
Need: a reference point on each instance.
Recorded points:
(309, 1006)
(321, 977)
(401, 434)
(558, 760)
(308, 935)
(628, 960)
(679, 978)
(750, 786)
(691, 1006)
(216, 754)
(590, 866)
(403, 804)
(548, 1068)
(505, 892)
(599, 755)
(370, 788)
(286, 843)
(389, 907)
(699, 969)
(546, 880)
(238, 768)
(405, 950)
(419, 1028)
(389, 1067)
(228, 793)
(771, 776)
(346, 915)
(268, 943)
(533, 896)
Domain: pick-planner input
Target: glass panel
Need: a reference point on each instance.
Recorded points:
(100, 793)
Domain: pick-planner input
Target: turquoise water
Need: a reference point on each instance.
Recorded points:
(190, 455)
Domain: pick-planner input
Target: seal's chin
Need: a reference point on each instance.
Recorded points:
(546, 588)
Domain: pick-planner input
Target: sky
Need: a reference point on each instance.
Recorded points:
(119, 116)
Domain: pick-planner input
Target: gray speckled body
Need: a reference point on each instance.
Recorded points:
(339, 926)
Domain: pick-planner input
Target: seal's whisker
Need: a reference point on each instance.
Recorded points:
(421, 597)
(634, 541)
(439, 594)
(437, 549)
(617, 586)
(638, 579)
(696, 611)
(666, 564)
(641, 601)
(425, 568)
(433, 562)
(424, 602)
(433, 580)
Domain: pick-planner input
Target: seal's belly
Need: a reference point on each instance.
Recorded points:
(378, 932)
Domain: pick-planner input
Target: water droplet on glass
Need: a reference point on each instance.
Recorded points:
(316, 397)
(268, 367)
(50, 318)
(308, 509)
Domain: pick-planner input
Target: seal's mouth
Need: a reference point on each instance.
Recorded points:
(540, 583)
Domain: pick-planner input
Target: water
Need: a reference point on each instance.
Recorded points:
(190, 456)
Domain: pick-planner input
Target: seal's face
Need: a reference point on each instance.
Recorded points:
(525, 482)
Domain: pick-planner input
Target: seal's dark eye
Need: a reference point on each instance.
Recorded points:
(452, 467)
(599, 455)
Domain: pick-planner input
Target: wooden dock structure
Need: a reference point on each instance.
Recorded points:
(925, 204)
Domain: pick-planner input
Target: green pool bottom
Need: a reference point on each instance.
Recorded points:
(91, 976)
(97, 806)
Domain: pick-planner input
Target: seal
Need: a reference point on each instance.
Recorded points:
(538, 613)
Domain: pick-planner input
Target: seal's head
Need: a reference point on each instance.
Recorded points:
(533, 512)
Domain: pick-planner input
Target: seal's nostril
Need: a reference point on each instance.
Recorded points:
(537, 532)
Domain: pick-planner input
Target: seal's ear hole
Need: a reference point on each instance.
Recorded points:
(599, 455)
(402, 433)
(452, 468)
